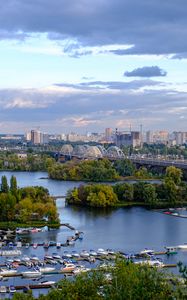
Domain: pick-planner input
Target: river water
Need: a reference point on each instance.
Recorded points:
(126, 229)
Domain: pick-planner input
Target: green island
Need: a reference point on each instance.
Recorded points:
(172, 191)
(27, 206)
(124, 280)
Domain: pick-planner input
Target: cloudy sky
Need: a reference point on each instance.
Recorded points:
(85, 65)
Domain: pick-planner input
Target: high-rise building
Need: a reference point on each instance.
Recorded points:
(35, 137)
(149, 137)
(108, 134)
(132, 138)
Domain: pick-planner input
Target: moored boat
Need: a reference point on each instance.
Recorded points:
(68, 268)
(171, 250)
(31, 274)
(46, 269)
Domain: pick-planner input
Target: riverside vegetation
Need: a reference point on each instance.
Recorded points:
(26, 206)
(170, 192)
(124, 281)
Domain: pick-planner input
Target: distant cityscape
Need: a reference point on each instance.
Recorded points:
(109, 136)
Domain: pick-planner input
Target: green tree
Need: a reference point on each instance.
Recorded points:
(4, 184)
(174, 174)
(150, 195)
(124, 167)
(13, 185)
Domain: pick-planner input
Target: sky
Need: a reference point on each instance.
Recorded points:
(83, 65)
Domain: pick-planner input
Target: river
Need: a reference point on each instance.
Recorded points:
(126, 229)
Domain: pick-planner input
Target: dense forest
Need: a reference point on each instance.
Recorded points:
(23, 205)
(170, 192)
(123, 281)
(96, 170)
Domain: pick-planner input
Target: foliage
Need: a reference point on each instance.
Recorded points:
(25, 204)
(97, 195)
(89, 170)
(124, 167)
(174, 174)
(124, 191)
(127, 281)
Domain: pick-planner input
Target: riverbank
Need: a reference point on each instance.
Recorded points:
(33, 224)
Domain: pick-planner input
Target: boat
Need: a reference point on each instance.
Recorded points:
(10, 245)
(182, 247)
(80, 269)
(58, 245)
(46, 245)
(152, 263)
(48, 256)
(7, 272)
(19, 245)
(27, 245)
(67, 254)
(171, 250)
(93, 253)
(68, 268)
(84, 253)
(75, 254)
(80, 235)
(10, 252)
(101, 251)
(12, 289)
(35, 230)
(111, 252)
(34, 258)
(56, 256)
(31, 274)
(147, 251)
(25, 258)
(46, 269)
(3, 289)
(47, 282)
(35, 245)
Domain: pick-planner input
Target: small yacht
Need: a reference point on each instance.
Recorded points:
(27, 245)
(75, 254)
(58, 245)
(101, 251)
(182, 247)
(35, 245)
(66, 254)
(147, 251)
(68, 268)
(47, 282)
(7, 272)
(3, 289)
(84, 253)
(12, 289)
(93, 252)
(46, 269)
(31, 274)
(56, 256)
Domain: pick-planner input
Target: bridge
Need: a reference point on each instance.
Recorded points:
(181, 164)
(152, 161)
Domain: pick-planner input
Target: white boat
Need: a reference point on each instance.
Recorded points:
(47, 282)
(67, 254)
(101, 251)
(75, 254)
(93, 253)
(56, 256)
(58, 245)
(12, 289)
(80, 269)
(31, 274)
(84, 253)
(25, 258)
(10, 253)
(146, 251)
(46, 269)
(182, 247)
(3, 289)
(151, 263)
(68, 268)
(34, 258)
(7, 272)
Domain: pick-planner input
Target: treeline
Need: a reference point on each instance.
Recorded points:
(88, 170)
(25, 204)
(96, 170)
(124, 281)
(172, 191)
(28, 162)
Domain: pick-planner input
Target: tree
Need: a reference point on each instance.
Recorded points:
(124, 167)
(13, 185)
(4, 185)
(174, 173)
(150, 195)
(124, 191)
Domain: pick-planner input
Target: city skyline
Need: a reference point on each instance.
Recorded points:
(84, 66)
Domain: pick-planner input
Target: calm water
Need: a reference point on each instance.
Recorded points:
(126, 229)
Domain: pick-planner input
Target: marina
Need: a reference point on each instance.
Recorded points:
(123, 231)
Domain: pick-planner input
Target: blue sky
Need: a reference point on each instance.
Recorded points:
(86, 65)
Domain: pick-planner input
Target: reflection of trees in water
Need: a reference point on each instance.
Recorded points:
(92, 211)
